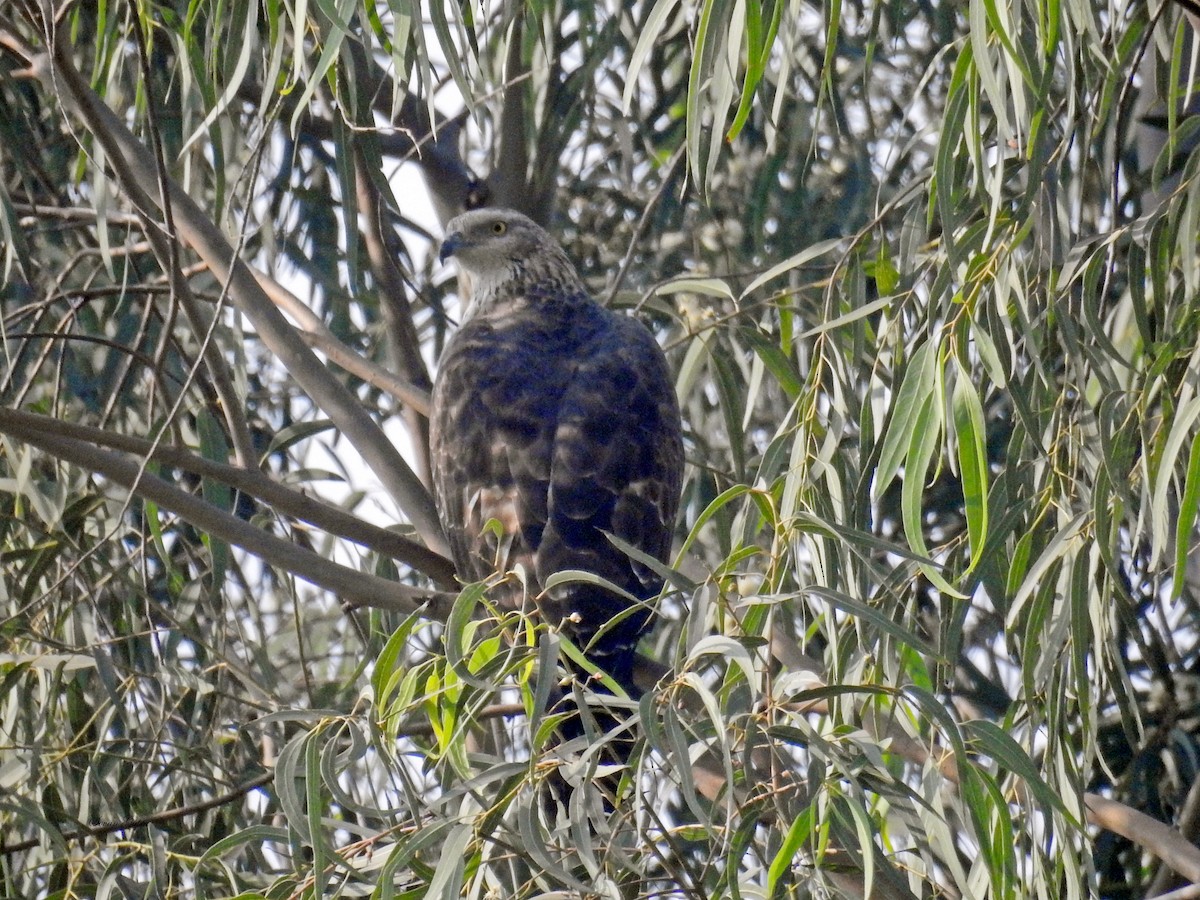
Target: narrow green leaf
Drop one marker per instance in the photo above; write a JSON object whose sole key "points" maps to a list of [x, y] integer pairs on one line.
{"points": [[758, 53], [314, 805], [340, 25], [877, 618], [797, 834], [776, 360], [971, 434], [459, 625], [214, 446], [697, 78], [289, 776], [293, 434], [718, 503], [447, 878], [726, 378], [862, 312], [925, 439], [1058, 548], [1185, 522], [1182, 429], [990, 739], [805, 256], [650, 34], [451, 52], [568, 576], [247, 46], [712, 287], [915, 392], [254, 834]]}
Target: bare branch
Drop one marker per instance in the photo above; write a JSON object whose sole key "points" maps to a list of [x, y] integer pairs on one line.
{"points": [[643, 224], [1162, 840]]}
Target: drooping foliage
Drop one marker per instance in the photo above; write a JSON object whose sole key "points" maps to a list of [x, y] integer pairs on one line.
{"points": [[927, 277]]}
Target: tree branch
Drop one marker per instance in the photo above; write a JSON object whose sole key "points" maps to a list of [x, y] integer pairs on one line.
{"points": [[158, 818], [1161, 840], [282, 499], [133, 165], [350, 586], [643, 224], [383, 251], [313, 331]]}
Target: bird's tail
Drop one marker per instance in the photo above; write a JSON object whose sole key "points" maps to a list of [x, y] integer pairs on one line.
{"points": [[601, 735]]}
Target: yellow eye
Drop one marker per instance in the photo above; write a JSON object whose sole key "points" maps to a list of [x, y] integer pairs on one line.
{"points": [[499, 227]]}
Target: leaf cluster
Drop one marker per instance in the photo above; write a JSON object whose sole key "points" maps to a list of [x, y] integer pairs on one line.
{"points": [[927, 277]]}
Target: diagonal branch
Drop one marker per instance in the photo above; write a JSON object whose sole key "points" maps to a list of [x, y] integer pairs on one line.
{"points": [[316, 334], [162, 817], [393, 300], [1160, 839], [353, 587], [133, 166], [313, 331], [282, 499]]}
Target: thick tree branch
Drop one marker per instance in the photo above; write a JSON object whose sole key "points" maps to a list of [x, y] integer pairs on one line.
{"points": [[313, 331], [1161, 840], [315, 334], [393, 303], [383, 252], [350, 586], [282, 499], [1188, 820]]}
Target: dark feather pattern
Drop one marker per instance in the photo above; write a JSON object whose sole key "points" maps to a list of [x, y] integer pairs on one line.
{"points": [[557, 418]]}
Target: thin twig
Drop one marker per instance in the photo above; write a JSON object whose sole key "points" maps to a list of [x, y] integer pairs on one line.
{"points": [[158, 818], [643, 225]]}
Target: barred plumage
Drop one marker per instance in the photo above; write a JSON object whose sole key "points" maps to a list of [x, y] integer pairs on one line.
{"points": [[557, 418]]}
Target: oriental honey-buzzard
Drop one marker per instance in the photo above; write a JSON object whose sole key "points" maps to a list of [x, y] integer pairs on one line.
{"points": [[557, 418]]}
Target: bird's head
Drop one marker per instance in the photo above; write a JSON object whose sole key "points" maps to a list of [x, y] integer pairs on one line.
{"points": [[509, 260], [491, 243]]}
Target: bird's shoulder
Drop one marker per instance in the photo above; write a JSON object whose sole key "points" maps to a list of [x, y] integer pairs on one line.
{"points": [[534, 322]]}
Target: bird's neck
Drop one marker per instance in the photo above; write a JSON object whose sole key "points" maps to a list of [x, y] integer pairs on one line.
{"points": [[518, 290]]}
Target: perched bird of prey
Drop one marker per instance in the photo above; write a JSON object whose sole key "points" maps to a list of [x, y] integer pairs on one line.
{"points": [[556, 418]]}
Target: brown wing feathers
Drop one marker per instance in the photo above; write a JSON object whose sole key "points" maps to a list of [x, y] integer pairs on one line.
{"points": [[557, 418]]}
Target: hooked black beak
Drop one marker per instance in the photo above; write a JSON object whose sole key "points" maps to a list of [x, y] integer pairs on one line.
{"points": [[450, 245]]}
